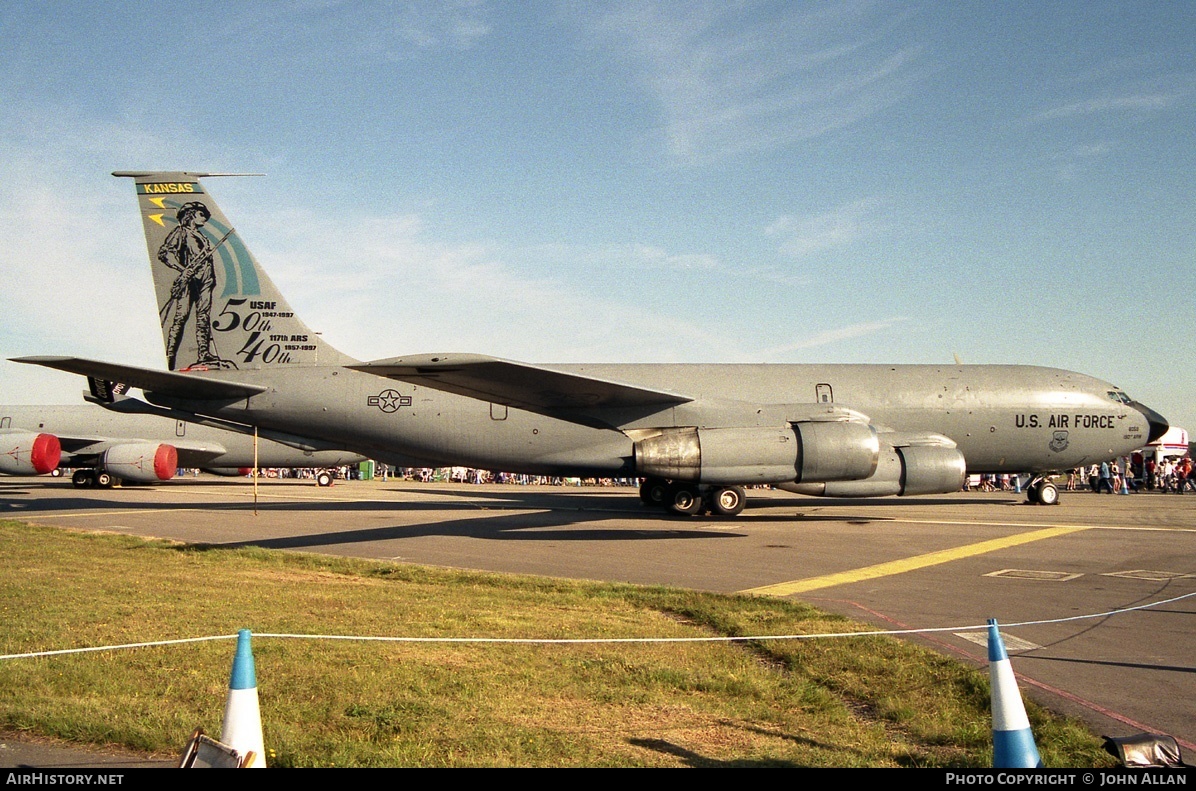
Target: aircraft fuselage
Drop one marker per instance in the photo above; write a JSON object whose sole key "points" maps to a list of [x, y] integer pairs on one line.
{"points": [[1003, 418]]}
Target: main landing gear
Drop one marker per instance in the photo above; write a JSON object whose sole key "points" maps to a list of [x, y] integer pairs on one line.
{"points": [[688, 499], [85, 479], [1041, 491]]}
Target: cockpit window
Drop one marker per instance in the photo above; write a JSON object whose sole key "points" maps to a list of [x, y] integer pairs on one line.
{"points": [[1120, 397]]}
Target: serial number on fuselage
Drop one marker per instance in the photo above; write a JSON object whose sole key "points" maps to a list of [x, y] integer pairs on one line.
{"points": [[1067, 421]]}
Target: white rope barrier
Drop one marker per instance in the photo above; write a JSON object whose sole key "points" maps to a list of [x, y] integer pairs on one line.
{"points": [[600, 640]]}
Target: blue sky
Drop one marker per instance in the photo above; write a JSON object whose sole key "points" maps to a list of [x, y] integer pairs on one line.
{"points": [[558, 182]]}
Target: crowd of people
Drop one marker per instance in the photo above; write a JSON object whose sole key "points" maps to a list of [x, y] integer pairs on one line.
{"points": [[473, 475], [1126, 474], [446, 474], [1135, 473]]}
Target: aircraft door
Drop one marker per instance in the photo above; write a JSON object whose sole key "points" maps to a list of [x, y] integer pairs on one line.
{"points": [[823, 394], [5, 422], [180, 428]]}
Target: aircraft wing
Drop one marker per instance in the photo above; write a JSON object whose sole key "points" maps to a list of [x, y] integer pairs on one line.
{"points": [[521, 385], [180, 385]]}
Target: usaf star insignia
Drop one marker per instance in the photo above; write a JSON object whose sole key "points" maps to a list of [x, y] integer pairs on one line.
{"points": [[389, 401]]}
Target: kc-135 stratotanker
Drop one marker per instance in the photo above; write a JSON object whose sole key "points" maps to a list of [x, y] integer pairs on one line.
{"points": [[696, 434]]}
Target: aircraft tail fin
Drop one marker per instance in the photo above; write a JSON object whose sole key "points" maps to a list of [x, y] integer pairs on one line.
{"points": [[217, 307]]}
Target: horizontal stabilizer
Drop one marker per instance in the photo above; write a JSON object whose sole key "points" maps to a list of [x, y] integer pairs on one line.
{"points": [[179, 385], [134, 406], [141, 174], [516, 384]]}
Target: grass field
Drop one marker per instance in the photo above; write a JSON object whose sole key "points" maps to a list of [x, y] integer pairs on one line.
{"points": [[857, 701]]}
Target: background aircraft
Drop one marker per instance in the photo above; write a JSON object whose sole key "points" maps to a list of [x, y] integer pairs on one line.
{"points": [[697, 434], [106, 446], [1173, 443]]}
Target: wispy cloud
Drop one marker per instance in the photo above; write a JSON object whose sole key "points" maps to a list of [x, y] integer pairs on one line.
{"points": [[1090, 150], [1112, 104], [828, 337], [628, 258], [842, 226], [649, 255], [739, 77], [393, 28], [786, 279], [1135, 87], [1072, 162]]}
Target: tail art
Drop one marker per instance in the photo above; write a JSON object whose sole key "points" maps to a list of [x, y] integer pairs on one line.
{"points": [[217, 307]]}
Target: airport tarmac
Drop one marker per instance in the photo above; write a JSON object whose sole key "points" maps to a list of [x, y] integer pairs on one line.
{"points": [[915, 563]]}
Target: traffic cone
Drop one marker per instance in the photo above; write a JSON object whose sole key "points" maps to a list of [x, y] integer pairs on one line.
{"points": [[1013, 743], [242, 716]]}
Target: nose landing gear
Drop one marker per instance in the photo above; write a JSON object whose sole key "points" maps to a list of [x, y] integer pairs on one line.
{"points": [[1041, 491]]}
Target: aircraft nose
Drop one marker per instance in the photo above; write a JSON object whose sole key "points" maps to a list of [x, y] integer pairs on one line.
{"points": [[1158, 423]]}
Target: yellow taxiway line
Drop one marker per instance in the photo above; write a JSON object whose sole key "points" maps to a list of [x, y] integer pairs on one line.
{"points": [[910, 564]]}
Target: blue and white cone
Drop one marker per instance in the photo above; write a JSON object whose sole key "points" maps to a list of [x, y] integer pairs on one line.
{"points": [[242, 716], [1013, 743]]}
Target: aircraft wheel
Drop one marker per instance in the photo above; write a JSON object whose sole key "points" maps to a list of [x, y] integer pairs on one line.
{"points": [[105, 480], [686, 500], [323, 478], [82, 479], [1032, 493], [1048, 493], [728, 500], [654, 492]]}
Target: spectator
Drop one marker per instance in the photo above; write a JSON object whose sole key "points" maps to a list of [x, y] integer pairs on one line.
{"points": [[1105, 480]]}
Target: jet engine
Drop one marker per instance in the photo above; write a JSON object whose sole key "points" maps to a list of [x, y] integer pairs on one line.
{"points": [[802, 452], [145, 462], [28, 453], [914, 469]]}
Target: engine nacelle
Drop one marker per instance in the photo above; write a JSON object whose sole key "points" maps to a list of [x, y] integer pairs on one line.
{"points": [[143, 462], [916, 469], [802, 452], [29, 453]]}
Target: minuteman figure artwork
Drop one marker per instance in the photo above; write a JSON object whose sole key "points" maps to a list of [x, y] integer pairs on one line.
{"points": [[189, 252]]}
